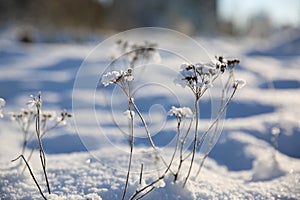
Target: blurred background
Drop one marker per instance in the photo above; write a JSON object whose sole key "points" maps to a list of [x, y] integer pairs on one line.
{"points": [[36, 20]]}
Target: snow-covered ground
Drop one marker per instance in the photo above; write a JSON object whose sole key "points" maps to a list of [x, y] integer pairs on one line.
{"points": [[88, 158]]}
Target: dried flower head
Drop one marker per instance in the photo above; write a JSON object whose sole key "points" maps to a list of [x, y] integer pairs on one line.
{"points": [[198, 76], [63, 116], [183, 112], [48, 115], [223, 63], [24, 116], [35, 101], [117, 76], [135, 52], [239, 83]]}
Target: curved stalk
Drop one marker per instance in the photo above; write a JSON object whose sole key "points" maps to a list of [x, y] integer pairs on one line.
{"points": [[42, 153], [165, 172], [131, 141], [224, 90], [181, 159], [32, 175]]}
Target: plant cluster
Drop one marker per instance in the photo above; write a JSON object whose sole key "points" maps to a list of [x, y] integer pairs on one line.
{"points": [[34, 115], [198, 78]]}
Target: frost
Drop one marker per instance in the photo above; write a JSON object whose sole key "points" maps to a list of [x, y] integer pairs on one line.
{"points": [[181, 112], [34, 101], [110, 77], [160, 184], [117, 76], [198, 76], [240, 83], [129, 114]]}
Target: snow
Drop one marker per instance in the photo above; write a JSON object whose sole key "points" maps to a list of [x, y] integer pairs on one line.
{"points": [[2, 104], [88, 158]]}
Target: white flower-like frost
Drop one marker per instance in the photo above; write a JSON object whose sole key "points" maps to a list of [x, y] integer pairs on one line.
{"points": [[116, 76], [181, 112], [239, 83], [110, 77]]}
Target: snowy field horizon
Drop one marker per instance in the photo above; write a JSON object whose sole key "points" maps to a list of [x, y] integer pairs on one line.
{"points": [[88, 157]]}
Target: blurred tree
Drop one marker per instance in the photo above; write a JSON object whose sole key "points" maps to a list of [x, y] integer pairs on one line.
{"points": [[186, 16]]}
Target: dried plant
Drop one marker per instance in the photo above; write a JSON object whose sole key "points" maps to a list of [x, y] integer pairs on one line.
{"points": [[196, 77], [35, 115], [123, 79]]}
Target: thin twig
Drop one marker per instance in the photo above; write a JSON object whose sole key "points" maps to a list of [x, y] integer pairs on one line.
{"points": [[226, 88], [181, 159], [218, 116], [38, 132], [144, 124], [147, 186], [131, 140], [163, 175], [148, 132], [145, 193], [195, 142], [141, 173], [32, 175], [41, 136]]}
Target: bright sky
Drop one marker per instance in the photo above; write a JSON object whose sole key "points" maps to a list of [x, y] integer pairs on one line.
{"points": [[281, 12]]}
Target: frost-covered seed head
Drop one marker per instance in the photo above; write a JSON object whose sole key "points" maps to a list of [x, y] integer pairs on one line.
{"points": [[117, 76], [64, 113], [25, 115], [110, 77], [128, 75], [239, 83], [183, 112], [197, 76], [62, 118], [35, 101], [49, 114], [232, 63]]}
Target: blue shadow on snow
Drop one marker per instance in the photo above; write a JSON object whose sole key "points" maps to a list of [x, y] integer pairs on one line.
{"points": [[65, 144], [281, 84]]}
